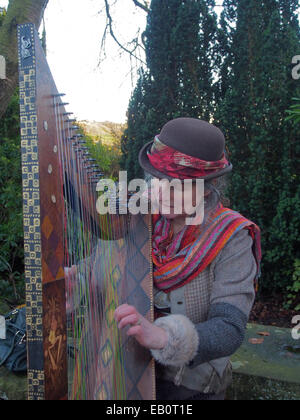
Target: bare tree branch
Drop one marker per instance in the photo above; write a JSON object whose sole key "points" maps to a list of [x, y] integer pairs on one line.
{"points": [[144, 6], [131, 48], [111, 31]]}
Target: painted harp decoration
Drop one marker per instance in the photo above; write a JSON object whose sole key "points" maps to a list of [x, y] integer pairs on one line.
{"points": [[79, 266]]}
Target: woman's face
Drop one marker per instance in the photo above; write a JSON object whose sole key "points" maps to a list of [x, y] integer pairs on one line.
{"points": [[177, 198]]}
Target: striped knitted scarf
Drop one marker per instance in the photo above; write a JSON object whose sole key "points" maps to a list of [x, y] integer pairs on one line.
{"points": [[179, 258]]}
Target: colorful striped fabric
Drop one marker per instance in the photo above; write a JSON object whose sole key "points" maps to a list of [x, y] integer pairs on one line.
{"points": [[179, 258], [179, 165]]}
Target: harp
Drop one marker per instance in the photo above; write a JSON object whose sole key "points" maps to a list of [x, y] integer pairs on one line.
{"points": [[74, 348]]}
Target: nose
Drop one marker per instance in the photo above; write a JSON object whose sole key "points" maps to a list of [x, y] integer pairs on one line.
{"points": [[163, 189]]}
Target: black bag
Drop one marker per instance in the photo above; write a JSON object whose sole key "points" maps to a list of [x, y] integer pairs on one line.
{"points": [[13, 352]]}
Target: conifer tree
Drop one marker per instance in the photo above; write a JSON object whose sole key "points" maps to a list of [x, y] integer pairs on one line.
{"points": [[134, 134], [264, 148]]}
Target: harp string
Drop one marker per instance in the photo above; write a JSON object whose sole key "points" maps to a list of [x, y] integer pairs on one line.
{"points": [[70, 250], [92, 295], [116, 381], [78, 290], [81, 300]]}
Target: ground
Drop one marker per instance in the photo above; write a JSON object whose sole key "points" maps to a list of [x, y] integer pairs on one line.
{"points": [[269, 310], [266, 311]]}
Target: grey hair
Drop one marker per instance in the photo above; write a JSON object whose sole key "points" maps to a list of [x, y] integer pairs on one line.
{"points": [[218, 191], [218, 195]]}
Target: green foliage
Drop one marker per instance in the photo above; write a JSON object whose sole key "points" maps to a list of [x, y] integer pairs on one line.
{"points": [[294, 111], [105, 148], [142, 123], [2, 15], [101, 154], [11, 221], [294, 289]]}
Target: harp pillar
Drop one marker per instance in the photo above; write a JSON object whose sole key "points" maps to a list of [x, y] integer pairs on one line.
{"points": [[43, 224]]}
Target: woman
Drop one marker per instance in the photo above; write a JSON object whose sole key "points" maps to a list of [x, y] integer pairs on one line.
{"points": [[204, 274]]}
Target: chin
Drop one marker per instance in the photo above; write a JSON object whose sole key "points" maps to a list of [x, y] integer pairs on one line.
{"points": [[170, 216]]}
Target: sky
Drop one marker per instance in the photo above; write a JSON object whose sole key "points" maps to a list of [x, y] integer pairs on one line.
{"points": [[74, 31]]}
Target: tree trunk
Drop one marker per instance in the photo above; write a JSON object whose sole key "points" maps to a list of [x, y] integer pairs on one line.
{"points": [[18, 12]]}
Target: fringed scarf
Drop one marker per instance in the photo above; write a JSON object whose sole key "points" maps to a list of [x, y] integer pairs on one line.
{"points": [[179, 258]]}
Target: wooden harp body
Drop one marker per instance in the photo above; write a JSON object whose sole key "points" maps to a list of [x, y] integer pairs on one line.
{"points": [[75, 350]]}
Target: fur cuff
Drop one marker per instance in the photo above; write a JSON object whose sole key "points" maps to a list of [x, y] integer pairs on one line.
{"points": [[182, 344]]}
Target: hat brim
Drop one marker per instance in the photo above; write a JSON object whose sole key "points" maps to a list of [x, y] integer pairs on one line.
{"points": [[147, 166]]}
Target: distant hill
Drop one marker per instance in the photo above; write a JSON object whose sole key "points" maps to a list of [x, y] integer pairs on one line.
{"points": [[107, 132]]}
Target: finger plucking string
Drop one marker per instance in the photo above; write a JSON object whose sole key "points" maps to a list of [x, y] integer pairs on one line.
{"points": [[132, 319]]}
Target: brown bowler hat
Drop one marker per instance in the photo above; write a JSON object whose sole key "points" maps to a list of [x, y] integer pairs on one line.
{"points": [[192, 137]]}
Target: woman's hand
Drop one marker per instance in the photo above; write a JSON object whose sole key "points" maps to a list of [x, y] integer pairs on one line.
{"points": [[146, 333]]}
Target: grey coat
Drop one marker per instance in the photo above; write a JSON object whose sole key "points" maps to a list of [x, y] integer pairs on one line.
{"points": [[206, 320]]}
